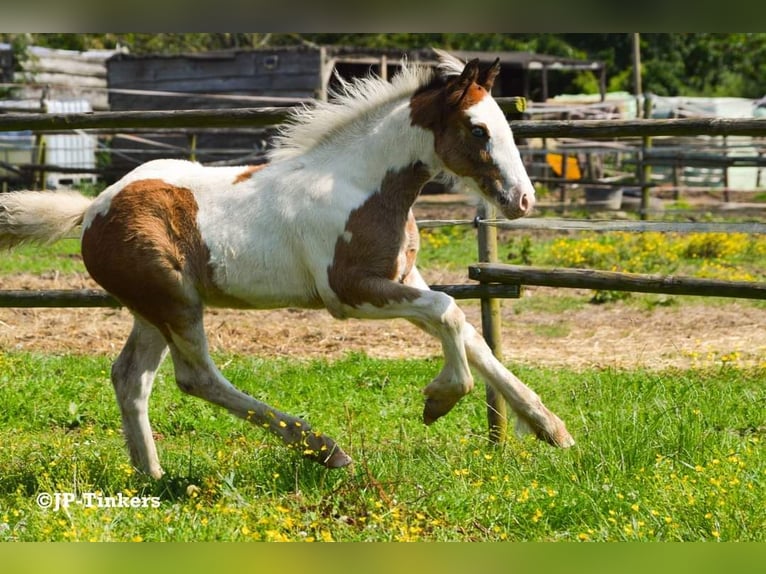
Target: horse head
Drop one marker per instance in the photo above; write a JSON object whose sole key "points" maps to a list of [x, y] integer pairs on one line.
{"points": [[472, 138]]}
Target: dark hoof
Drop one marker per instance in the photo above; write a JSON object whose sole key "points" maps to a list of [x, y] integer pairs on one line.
{"points": [[436, 408], [325, 451], [337, 459]]}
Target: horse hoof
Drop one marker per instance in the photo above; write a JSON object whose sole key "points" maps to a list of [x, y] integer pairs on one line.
{"points": [[553, 431], [434, 409], [337, 459], [332, 457]]}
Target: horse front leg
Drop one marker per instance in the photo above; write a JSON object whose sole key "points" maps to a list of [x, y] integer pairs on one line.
{"points": [[531, 413], [438, 314]]}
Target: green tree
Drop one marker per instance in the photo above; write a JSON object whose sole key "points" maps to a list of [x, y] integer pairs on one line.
{"points": [[695, 64]]}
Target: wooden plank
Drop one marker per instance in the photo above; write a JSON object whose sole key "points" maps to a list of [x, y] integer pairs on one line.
{"points": [[57, 298], [62, 79], [208, 118], [559, 224], [596, 129], [250, 117], [146, 72], [67, 65], [480, 291], [131, 102], [255, 84], [614, 281], [96, 298]]}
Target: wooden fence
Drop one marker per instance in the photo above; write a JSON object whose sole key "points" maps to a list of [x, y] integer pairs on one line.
{"points": [[495, 281]]}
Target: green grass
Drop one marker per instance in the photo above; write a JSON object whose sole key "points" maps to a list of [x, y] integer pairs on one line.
{"points": [[62, 257], [674, 455]]}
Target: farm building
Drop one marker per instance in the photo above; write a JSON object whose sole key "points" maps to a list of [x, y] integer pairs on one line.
{"points": [[57, 80], [278, 76], [51, 81]]}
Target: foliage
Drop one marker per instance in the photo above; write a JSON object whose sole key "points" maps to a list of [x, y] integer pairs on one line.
{"points": [[690, 64], [730, 256]]}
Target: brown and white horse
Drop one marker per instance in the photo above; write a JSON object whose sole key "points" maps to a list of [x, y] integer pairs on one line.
{"points": [[327, 224]]}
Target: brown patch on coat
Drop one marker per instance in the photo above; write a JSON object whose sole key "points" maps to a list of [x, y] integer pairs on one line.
{"points": [[147, 251], [247, 173], [441, 108], [380, 244], [409, 252]]}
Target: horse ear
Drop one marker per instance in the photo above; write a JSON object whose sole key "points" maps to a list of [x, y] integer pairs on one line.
{"points": [[470, 72], [458, 87], [487, 77]]}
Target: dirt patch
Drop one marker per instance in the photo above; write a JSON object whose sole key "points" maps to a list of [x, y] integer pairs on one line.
{"points": [[617, 334]]}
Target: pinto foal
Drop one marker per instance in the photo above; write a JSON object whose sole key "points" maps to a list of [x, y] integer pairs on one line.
{"points": [[327, 224]]}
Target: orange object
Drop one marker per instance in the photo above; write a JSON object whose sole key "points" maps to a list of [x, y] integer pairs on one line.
{"points": [[556, 160]]}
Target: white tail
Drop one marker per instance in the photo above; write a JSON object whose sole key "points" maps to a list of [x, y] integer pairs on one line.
{"points": [[39, 216]]}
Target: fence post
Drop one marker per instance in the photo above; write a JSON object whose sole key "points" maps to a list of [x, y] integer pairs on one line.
{"points": [[645, 169], [490, 324]]}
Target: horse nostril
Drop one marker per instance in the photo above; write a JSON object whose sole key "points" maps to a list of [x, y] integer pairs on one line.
{"points": [[526, 202]]}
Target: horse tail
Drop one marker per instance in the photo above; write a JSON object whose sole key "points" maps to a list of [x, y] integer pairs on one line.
{"points": [[39, 216]]}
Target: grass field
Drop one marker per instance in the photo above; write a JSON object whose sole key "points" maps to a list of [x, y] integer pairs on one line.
{"points": [[661, 455]]}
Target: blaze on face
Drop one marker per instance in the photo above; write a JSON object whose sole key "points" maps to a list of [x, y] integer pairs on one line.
{"points": [[474, 141]]}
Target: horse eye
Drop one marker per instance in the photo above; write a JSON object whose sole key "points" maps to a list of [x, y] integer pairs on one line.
{"points": [[479, 132]]}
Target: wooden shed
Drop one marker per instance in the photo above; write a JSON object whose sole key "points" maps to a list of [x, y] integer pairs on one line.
{"points": [[6, 64], [278, 76]]}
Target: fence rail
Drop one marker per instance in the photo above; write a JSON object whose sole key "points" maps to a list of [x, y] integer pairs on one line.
{"points": [[73, 298], [268, 116], [517, 275]]}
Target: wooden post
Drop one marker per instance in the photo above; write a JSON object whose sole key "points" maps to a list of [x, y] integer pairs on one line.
{"points": [[491, 326], [645, 176], [725, 172], [40, 146], [192, 147], [563, 188]]}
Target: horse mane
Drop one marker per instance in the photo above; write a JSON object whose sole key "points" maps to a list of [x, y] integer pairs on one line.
{"points": [[310, 125]]}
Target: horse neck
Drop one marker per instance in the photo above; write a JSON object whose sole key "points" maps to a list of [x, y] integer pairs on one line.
{"points": [[381, 143]]}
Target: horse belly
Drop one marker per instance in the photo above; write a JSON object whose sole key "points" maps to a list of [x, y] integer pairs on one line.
{"points": [[263, 279]]}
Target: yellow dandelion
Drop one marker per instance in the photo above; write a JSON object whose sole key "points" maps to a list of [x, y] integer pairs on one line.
{"points": [[583, 537]]}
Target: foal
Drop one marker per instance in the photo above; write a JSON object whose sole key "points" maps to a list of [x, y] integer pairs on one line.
{"points": [[327, 224]]}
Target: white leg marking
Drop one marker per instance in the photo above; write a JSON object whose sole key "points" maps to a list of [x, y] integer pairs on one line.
{"points": [[523, 400], [439, 315], [132, 377], [531, 412]]}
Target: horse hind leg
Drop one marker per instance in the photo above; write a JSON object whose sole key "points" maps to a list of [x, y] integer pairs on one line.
{"points": [[198, 376], [132, 377]]}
